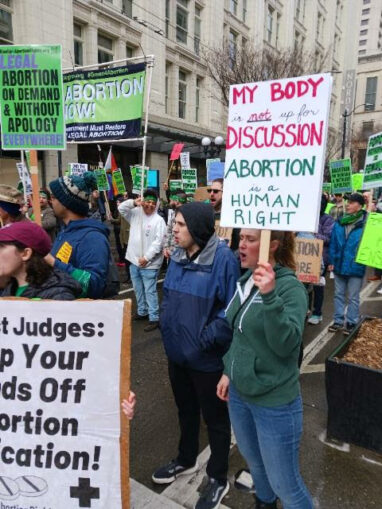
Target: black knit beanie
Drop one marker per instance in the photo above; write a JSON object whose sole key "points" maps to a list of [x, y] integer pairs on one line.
{"points": [[200, 221]]}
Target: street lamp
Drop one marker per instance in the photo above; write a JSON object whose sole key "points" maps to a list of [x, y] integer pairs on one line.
{"points": [[212, 148], [345, 114]]}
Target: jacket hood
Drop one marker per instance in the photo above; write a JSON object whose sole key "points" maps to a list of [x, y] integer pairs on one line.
{"points": [[206, 256], [90, 224], [62, 280]]}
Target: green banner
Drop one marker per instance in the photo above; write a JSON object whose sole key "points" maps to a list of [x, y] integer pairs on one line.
{"points": [[370, 248], [173, 185], [136, 175], [105, 104], [357, 181], [31, 98], [102, 182], [118, 181], [341, 176], [189, 180], [327, 187], [373, 163]]}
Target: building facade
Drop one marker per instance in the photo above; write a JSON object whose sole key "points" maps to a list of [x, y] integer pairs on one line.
{"points": [[185, 103]]}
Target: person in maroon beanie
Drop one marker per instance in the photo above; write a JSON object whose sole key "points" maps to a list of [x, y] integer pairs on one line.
{"points": [[23, 247]]}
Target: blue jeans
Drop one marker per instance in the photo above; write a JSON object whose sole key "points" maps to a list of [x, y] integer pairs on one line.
{"points": [[269, 440], [145, 288], [352, 287]]}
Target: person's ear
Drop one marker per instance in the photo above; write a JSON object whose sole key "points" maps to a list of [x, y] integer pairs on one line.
{"points": [[273, 246], [26, 254]]}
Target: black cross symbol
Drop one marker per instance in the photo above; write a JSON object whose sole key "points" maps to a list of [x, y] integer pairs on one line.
{"points": [[84, 492]]}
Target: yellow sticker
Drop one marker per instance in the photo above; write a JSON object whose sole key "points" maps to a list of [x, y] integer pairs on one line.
{"points": [[65, 252]]}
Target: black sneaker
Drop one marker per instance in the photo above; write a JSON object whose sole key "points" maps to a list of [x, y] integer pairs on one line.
{"points": [[335, 327], [168, 473], [137, 317], [212, 494], [349, 329], [151, 326]]}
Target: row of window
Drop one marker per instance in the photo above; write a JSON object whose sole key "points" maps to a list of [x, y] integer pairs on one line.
{"points": [[184, 104]]}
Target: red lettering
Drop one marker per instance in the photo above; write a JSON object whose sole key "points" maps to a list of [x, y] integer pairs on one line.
{"points": [[315, 84], [239, 93], [245, 93], [232, 137], [276, 92], [302, 88]]}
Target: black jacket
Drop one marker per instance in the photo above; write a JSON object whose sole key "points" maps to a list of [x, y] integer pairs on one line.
{"points": [[59, 286]]}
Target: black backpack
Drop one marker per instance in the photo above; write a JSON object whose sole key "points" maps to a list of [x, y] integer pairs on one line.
{"points": [[113, 283]]}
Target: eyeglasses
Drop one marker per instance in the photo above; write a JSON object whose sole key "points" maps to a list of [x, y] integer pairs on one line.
{"points": [[215, 191]]}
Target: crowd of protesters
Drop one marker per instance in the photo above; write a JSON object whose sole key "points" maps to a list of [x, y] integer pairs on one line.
{"points": [[231, 326]]}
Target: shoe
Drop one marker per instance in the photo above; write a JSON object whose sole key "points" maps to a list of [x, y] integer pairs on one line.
{"points": [[335, 327], [137, 317], [168, 473], [315, 319], [212, 494], [151, 326], [265, 505], [349, 329]]}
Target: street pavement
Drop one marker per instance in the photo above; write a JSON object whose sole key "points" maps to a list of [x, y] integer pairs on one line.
{"points": [[337, 475]]}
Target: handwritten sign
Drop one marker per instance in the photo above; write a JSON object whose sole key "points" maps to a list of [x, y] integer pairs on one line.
{"points": [[370, 248], [341, 176], [185, 160], [136, 175], [61, 422], [224, 233], [102, 181], [308, 259], [176, 150], [78, 168], [118, 181], [373, 163], [201, 194], [275, 149], [24, 177], [189, 180], [175, 184], [327, 187]]}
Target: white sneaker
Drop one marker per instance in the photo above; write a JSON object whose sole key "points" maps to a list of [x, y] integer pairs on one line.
{"points": [[315, 320], [379, 291]]}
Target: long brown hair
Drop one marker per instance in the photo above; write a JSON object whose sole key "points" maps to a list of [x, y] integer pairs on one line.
{"points": [[37, 270], [285, 253]]}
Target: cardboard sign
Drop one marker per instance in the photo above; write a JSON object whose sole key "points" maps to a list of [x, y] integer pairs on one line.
{"points": [[201, 194], [210, 162], [136, 175], [373, 163], [341, 176], [104, 104], [64, 439], [176, 150], [78, 169], [24, 177], [32, 114], [175, 184], [118, 181], [102, 181], [224, 233], [189, 180], [185, 160], [275, 153], [308, 259], [327, 187], [357, 181], [370, 248]]}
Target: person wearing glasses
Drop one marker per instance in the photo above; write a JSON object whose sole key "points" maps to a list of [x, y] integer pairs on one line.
{"points": [[230, 235]]}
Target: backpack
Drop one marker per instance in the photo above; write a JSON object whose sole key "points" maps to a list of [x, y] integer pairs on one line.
{"points": [[113, 284]]}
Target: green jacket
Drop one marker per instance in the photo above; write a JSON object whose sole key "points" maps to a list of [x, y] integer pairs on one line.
{"points": [[262, 362]]}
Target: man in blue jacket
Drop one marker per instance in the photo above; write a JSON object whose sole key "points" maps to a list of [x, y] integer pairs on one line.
{"points": [[82, 247], [200, 282], [348, 274]]}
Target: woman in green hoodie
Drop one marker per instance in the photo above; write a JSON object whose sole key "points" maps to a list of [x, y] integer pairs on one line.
{"points": [[261, 380]]}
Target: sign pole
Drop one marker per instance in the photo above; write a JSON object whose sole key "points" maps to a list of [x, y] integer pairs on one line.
{"points": [[35, 187], [150, 66], [24, 179], [265, 240]]}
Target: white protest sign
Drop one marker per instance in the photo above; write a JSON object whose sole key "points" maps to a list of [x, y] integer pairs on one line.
{"points": [[372, 176], [64, 367], [275, 152], [78, 168], [24, 177], [185, 160]]}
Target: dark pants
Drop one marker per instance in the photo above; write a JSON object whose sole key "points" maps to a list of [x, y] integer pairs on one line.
{"points": [[318, 296], [195, 391]]}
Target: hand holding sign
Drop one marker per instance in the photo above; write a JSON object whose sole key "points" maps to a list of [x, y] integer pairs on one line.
{"points": [[264, 277]]}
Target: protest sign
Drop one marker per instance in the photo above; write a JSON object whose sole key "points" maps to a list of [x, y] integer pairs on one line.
{"points": [[105, 104], [189, 180], [77, 169], [185, 160], [102, 181], [31, 98], [209, 162], [201, 194], [223, 232], [64, 439], [275, 150], [175, 184], [327, 187], [308, 259], [373, 163], [24, 177], [215, 171], [357, 181], [176, 150], [370, 248], [341, 176], [136, 175], [118, 181]]}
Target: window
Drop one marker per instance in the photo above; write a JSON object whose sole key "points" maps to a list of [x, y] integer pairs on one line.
{"points": [[269, 24], [244, 11], [365, 2], [182, 94], [129, 51], [127, 8], [364, 22], [233, 6], [363, 42], [367, 128], [371, 93], [167, 18], [362, 52], [181, 22], [232, 47], [363, 32], [365, 11], [197, 29], [278, 24], [105, 49], [6, 32], [197, 98], [166, 87], [78, 44]]}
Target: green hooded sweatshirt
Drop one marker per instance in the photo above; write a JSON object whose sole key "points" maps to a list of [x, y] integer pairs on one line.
{"points": [[262, 362]]}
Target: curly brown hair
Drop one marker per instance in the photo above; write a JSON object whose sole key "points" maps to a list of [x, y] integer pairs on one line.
{"points": [[38, 271], [285, 253]]}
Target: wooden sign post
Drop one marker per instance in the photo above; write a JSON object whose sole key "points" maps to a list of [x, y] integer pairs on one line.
{"points": [[35, 187], [265, 241]]}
